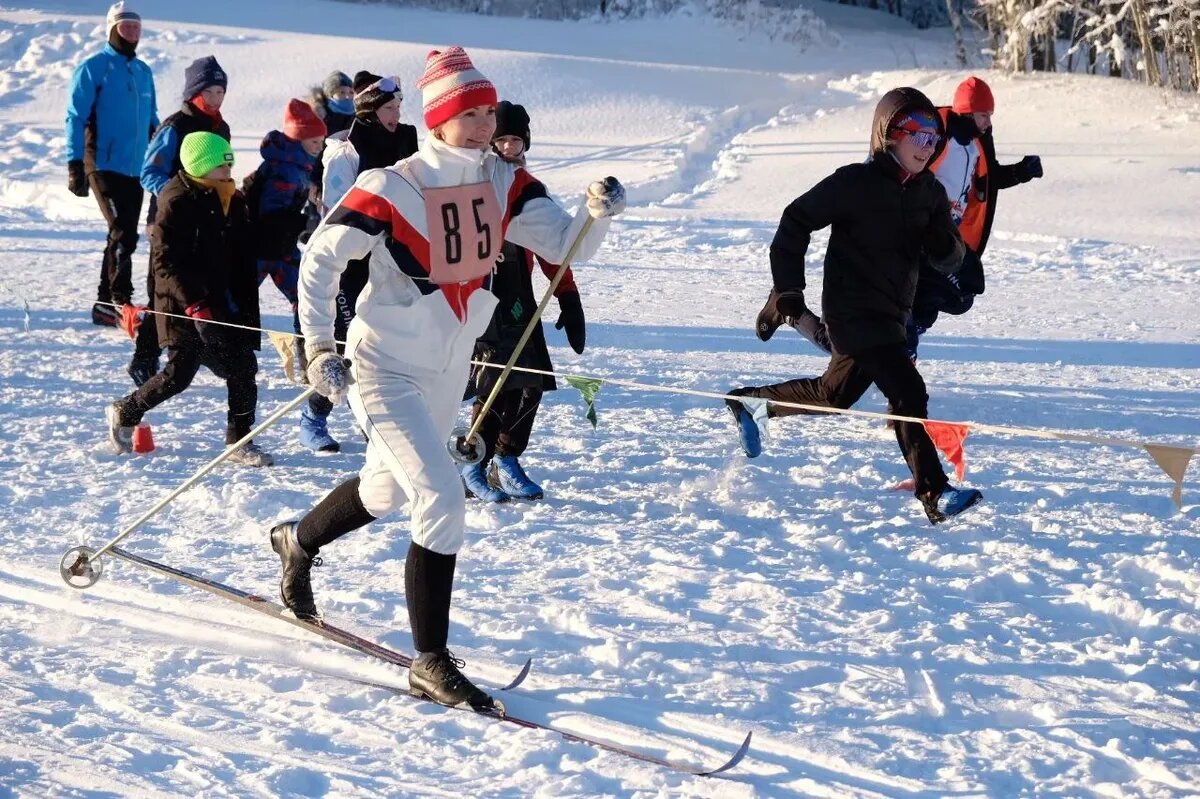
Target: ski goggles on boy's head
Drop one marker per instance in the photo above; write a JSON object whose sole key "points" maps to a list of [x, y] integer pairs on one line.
{"points": [[921, 138], [386, 85]]}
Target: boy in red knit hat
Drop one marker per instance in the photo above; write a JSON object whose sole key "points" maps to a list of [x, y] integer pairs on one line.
{"points": [[965, 164], [276, 193], [433, 225]]}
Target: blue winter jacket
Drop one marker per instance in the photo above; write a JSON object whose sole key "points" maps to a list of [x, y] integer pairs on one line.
{"points": [[281, 185], [112, 98]]}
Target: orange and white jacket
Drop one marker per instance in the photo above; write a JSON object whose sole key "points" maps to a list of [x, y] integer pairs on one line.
{"points": [[400, 312]]}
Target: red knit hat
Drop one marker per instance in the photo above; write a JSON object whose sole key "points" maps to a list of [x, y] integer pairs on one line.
{"points": [[973, 96], [301, 122], [451, 85]]}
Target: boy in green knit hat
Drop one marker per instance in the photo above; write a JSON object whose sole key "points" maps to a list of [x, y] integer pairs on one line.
{"points": [[204, 272]]}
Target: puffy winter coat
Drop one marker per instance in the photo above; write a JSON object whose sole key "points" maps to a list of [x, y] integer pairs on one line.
{"points": [[201, 254], [359, 148], [421, 325], [111, 112], [278, 190], [162, 157], [883, 221]]}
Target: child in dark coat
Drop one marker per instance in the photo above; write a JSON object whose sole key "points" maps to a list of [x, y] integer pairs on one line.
{"points": [[276, 193], [203, 271], [509, 422], [886, 215]]}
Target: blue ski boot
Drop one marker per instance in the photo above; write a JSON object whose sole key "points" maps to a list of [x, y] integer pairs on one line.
{"points": [[507, 475], [476, 483], [748, 433], [314, 432], [951, 502]]}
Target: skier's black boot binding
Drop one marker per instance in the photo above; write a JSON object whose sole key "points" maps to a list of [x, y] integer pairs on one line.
{"points": [[436, 676], [295, 585]]}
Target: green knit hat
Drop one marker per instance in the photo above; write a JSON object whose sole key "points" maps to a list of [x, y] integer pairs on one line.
{"points": [[202, 152]]}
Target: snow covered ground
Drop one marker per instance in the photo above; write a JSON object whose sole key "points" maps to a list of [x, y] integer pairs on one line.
{"points": [[673, 594]]}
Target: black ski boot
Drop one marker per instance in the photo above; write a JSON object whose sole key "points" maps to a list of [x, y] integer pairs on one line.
{"points": [[436, 676], [295, 586]]}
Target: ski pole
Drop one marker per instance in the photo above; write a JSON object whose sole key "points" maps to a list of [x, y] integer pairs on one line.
{"points": [[82, 566], [462, 444]]}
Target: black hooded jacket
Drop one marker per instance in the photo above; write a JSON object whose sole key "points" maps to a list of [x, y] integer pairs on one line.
{"points": [[883, 221]]}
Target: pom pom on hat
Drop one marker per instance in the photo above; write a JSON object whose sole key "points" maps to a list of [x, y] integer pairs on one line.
{"points": [[450, 85], [117, 13], [202, 152], [973, 96], [301, 122]]}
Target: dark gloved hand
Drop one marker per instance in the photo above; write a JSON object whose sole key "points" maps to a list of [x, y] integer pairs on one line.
{"points": [[201, 315], [790, 303], [1030, 167], [77, 179], [571, 317]]}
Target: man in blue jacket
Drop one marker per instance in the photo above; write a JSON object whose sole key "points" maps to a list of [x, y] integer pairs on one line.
{"points": [[110, 116]]}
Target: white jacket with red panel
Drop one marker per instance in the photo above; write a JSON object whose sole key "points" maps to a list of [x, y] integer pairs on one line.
{"points": [[401, 313]]}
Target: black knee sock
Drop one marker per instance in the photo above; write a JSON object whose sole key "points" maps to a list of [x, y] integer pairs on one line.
{"points": [[339, 513], [428, 580]]}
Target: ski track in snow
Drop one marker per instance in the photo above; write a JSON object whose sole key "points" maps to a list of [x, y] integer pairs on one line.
{"points": [[673, 594]]}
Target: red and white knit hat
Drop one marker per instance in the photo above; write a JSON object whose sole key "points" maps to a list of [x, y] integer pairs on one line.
{"points": [[451, 84]]}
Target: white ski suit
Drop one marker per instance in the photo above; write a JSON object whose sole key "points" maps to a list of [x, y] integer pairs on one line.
{"points": [[411, 342]]}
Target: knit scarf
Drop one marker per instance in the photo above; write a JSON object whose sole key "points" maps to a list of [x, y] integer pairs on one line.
{"points": [[225, 190]]}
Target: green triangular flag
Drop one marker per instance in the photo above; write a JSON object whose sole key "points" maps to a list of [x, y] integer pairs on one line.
{"points": [[589, 387]]}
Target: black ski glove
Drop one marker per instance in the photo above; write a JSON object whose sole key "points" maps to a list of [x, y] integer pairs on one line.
{"points": [[77, 179], [1029, 167], [570, 316], [201, 315]]}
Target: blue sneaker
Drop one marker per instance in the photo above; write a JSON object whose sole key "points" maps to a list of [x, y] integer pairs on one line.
{"points": [[476, 483], [314, 432], [748, 433], [951, 502], [507, 475]]}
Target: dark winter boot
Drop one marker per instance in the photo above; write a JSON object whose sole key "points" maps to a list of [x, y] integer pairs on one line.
{"points": [[949, 503], [142, 369], [476, 483], [104, 315], [748, 434], [507, 475], [437, 676], [314, 433], [295, 585]]}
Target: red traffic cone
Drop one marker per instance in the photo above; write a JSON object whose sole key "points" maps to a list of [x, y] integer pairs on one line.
{"points": [[143, 439]]}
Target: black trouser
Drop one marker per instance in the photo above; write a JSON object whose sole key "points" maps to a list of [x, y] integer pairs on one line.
{"points": [[235, 364], [509, 421], [120, 200], [354, 280], [847, 378]]}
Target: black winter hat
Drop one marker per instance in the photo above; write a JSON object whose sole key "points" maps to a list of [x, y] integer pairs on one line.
{"points": [[512, 120], [368, 97], [202, 73]]}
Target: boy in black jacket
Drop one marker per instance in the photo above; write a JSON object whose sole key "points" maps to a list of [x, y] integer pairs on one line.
{"points": [[204, 271], [886, 215]]}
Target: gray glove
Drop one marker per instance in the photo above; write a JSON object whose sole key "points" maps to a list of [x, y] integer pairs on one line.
{"points": [[329, 374]]}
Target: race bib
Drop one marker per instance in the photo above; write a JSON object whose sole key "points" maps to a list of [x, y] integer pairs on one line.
{"points": [[465, 235]]}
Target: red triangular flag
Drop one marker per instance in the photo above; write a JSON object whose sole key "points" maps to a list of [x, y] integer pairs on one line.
{"points": [[949, 439]]}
